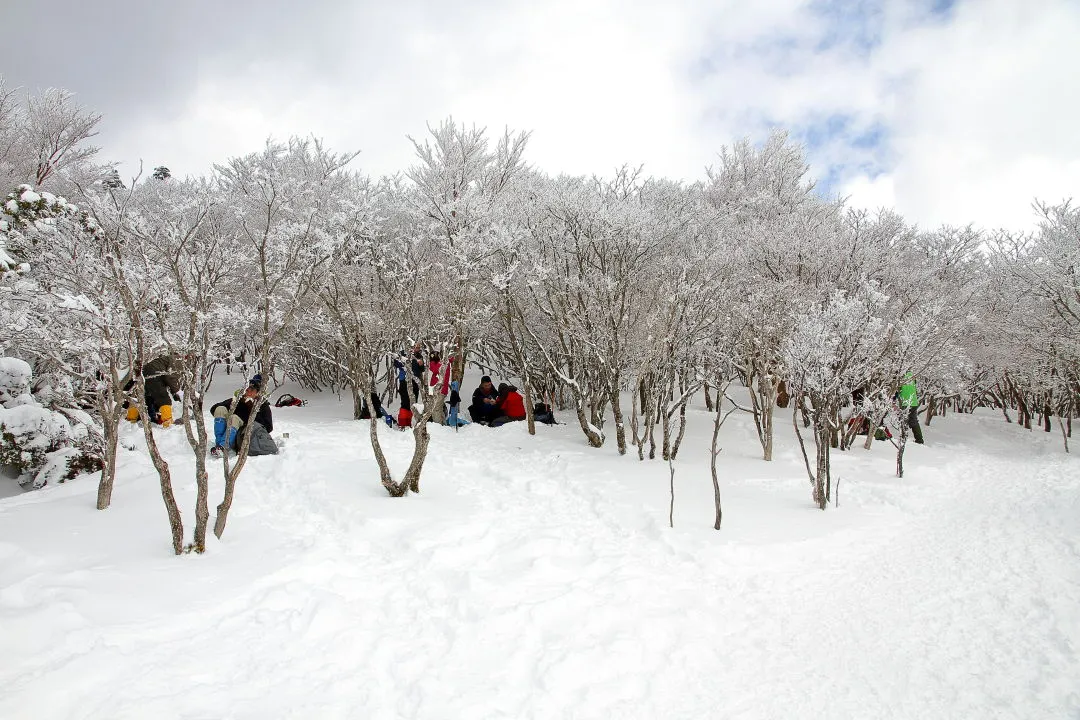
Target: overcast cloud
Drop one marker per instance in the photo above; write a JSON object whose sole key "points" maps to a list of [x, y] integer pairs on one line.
{"points": [[950, 111]]}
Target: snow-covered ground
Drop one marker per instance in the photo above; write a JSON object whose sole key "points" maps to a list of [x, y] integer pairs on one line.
{"points": [[535, 577]]}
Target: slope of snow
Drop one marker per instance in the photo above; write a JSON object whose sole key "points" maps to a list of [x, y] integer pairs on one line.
{"points": [[537, 577]]}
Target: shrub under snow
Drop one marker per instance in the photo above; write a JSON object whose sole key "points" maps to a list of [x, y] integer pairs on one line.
{"points": [[40, 444]]}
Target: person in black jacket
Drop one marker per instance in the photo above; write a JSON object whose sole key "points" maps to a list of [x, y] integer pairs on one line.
{"points": [[367, 404], [485, 402], [261, 443], [161, 386]]}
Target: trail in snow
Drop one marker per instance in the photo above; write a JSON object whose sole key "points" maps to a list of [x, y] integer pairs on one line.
{"points": [[534, 577]]}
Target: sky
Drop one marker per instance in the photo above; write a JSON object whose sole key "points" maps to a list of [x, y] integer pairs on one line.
{"points": [[950, 111]]}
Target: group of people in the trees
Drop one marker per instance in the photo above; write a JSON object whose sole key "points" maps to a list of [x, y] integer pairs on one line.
{"points": [[496, 407], [491, 406], [906, 399], [161, 385]]}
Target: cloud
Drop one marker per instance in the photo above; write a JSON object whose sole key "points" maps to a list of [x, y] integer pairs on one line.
{"points": [[951, 110]]}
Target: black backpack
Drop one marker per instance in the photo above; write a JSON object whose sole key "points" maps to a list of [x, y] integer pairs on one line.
{"points": [[543, 413]]}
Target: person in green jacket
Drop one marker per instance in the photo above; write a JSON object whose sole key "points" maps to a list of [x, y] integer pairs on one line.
{"points": [[909, 400]]}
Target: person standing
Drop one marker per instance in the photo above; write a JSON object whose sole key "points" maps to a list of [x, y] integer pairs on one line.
{"points": [[909, 401]]}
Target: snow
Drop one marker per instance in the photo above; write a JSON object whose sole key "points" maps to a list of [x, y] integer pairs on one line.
{"points": [[15, 378], [537, 577], [29, 196], [41, 425]]}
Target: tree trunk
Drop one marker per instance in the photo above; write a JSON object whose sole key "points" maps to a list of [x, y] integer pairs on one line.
{"points": [[822, 431], [231, 474], [176, 523], [650, 430], [421, 439], [708, 398], [357, 401], [639, 442], [530, 416], [665, 418], [594, 438], [620, 429], [901, 445], [782, 396], [671, 507], [763, 397], [438, 407], [458, 371], [395, 489], [714, 451], [111, 423], [682, 431], [798, 434], [202, 478], [767, 425]]}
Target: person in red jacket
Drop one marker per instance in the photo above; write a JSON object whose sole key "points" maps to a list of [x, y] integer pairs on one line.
{"points": [[511, 406]]}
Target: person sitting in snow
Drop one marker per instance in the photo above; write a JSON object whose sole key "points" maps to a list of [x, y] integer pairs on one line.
{"points": [[485, 402], [511, 406], [543, 413], [227, 426], [161, 386]]}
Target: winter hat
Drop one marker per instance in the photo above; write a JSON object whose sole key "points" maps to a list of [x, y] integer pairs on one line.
{"points": [[486, 378], [256, 381]]}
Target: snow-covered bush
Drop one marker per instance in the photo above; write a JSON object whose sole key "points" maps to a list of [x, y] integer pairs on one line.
{"points": [[39, 444], [15, 380]]}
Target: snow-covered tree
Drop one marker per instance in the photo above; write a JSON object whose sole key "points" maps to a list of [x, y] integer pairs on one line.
{"points": [[44, 138], [836, 347]]}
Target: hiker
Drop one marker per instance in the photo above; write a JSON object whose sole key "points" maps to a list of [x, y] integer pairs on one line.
{"points": [[454, 420], [859, 422], [908, 398], [543, 413], [417, 364], [161, 387], [437, 367], [405, 366], [485, 402], [226, 425], [511, 406], [365, 407]]}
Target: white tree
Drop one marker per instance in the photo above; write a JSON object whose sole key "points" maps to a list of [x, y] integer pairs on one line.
{"points": [[836, 347]]}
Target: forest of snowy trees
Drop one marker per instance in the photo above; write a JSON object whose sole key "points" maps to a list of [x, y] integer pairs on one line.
{"points": [[617, 298]]}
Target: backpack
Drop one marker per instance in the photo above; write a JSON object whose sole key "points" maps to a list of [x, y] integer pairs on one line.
{"points": [[287, 400], [543, 413]]}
